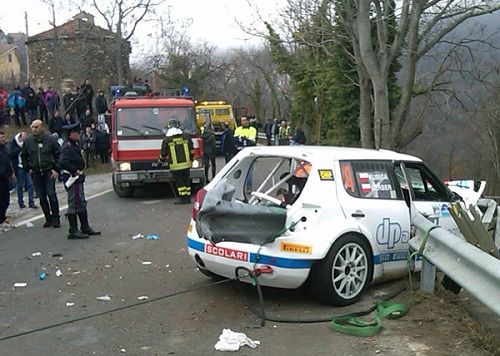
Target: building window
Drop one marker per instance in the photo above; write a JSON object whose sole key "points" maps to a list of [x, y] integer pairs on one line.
{"points": [[10, 57]]}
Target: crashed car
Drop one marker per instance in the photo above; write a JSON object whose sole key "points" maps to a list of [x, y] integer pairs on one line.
{"points": [[337, 216]]}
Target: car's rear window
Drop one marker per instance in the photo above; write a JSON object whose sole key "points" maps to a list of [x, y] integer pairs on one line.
{"points": [[369, 179]]}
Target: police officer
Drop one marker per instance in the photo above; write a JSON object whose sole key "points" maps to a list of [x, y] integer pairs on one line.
{"points": [[71, 163], [177, 149]]}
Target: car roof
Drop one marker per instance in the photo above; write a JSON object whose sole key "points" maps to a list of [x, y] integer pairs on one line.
{"points": [[322, 153]]}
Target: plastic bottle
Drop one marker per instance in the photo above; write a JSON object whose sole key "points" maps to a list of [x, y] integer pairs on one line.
{"points": [[42, 275]]}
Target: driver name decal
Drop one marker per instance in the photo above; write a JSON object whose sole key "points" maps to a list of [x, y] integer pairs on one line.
{"points": [[226, 252], [390, 233]]}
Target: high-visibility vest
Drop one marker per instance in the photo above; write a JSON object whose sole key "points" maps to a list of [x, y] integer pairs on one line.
{"points": [[284, 132], [249, 132], [179, 155]]}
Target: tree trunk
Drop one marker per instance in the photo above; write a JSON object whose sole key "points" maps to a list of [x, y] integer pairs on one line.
{"points": [[365, 110], [119, 59], [408, 80], [381, 122]]}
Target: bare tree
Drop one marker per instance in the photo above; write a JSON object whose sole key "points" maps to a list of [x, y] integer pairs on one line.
{"points": [[122, 18], [56, 53], [421, 24]]}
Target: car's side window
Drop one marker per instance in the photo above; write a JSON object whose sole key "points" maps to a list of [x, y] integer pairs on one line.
{"points": [[369, 179], [425, 186]]}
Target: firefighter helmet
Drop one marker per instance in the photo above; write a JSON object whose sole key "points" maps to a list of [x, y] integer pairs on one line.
{"points": [[173, 123]]}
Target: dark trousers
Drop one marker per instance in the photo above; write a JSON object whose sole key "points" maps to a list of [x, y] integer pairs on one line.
{"points": [[42, 111], [4, 197], [104, 156], [269, 139], [76, 198], [207, 161], [19, 117], [228, 156], [89, 158], [46, 190], [182, 182]]}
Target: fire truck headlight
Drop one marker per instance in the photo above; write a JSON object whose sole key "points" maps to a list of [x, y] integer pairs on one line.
{"points": [[125, 166], [196, 163]]}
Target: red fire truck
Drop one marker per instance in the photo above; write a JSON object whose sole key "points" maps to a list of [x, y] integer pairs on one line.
{"points": [[138, 128]]}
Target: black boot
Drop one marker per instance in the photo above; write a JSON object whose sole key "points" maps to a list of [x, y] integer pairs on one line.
{"points": [[84, 221], [73, 232], [56, 221]]}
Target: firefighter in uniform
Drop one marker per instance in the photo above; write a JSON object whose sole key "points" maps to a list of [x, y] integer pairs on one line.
{"points": [[72, 164], [177, 149]]}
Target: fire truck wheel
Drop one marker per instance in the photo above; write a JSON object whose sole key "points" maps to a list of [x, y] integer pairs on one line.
{"points": [[123, 192]]}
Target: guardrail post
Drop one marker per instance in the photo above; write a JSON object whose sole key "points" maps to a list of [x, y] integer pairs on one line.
{"points": [[428, 272], [427, 277]]}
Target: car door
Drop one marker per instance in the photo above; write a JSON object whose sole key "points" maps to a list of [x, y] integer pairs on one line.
{"points": [[373, 199], [429, 194]]}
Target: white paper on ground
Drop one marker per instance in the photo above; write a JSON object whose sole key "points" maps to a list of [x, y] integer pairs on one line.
{"points": [[232, 341]]}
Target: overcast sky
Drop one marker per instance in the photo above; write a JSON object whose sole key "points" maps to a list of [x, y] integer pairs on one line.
{"points": [[213, 20]]}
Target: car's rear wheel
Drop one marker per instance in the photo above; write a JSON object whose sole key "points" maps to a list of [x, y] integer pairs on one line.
{"points": [[123, 192], [344, 274]]}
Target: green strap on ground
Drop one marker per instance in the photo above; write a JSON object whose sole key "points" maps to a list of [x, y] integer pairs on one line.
{"points": [[354, 326]]}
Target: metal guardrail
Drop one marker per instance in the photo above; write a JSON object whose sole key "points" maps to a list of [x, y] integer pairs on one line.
{"points": [[473, 269]]}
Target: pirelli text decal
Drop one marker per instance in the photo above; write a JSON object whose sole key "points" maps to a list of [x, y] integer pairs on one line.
{"points": [[296, 248]]}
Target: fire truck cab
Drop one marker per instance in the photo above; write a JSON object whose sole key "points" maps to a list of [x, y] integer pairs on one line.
{"points": [[138, 128]]}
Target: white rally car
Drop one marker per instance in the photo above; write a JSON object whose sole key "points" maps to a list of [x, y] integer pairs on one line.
{"points": [[339, 216]]}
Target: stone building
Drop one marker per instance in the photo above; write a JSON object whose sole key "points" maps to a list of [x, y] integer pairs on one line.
{"points": [[12, 59], [10, 65], [85, 51]]}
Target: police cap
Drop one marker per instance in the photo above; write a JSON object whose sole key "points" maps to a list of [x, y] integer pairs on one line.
{"points": [[72, 127]]}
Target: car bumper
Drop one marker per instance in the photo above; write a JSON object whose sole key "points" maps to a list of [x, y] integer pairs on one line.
{"points": [[135, 178], [223, 259]]}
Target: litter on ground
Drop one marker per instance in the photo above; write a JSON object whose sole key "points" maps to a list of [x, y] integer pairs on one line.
{"points": [[232, 341], [104, 298]]}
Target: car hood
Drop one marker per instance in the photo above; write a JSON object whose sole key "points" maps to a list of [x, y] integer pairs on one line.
{"points": [[469, 190]]}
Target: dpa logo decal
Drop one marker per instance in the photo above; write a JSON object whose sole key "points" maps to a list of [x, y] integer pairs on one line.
{"points": [[390, 233]]}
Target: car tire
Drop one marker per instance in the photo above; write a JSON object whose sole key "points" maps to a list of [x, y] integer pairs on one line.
{"points": [[344, 274], [123, 192]]}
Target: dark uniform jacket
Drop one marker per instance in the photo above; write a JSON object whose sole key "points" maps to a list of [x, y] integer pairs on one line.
{"points": [[41, 153], [101, 105], [177, 149], [71, 159], [5, 165], [209, 145]]}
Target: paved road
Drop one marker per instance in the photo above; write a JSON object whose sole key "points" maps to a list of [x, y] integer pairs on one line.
{"points": [[116, 265]]}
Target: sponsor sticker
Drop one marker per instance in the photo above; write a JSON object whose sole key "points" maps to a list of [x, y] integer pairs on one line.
{"points": [[325, 174], [296, 248], [226, 252]]}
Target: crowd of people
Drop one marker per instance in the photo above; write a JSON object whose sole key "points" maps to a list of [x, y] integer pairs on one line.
{"points": [[280, 133], [54, 148]]}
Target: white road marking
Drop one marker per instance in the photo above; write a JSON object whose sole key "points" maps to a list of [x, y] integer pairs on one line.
{"points": [[64, 207]]}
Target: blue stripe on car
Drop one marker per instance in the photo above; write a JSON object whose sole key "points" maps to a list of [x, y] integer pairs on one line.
{"points": [[301, 263]]}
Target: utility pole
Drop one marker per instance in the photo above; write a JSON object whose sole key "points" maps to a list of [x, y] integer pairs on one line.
{"points": [[27, 50]]}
